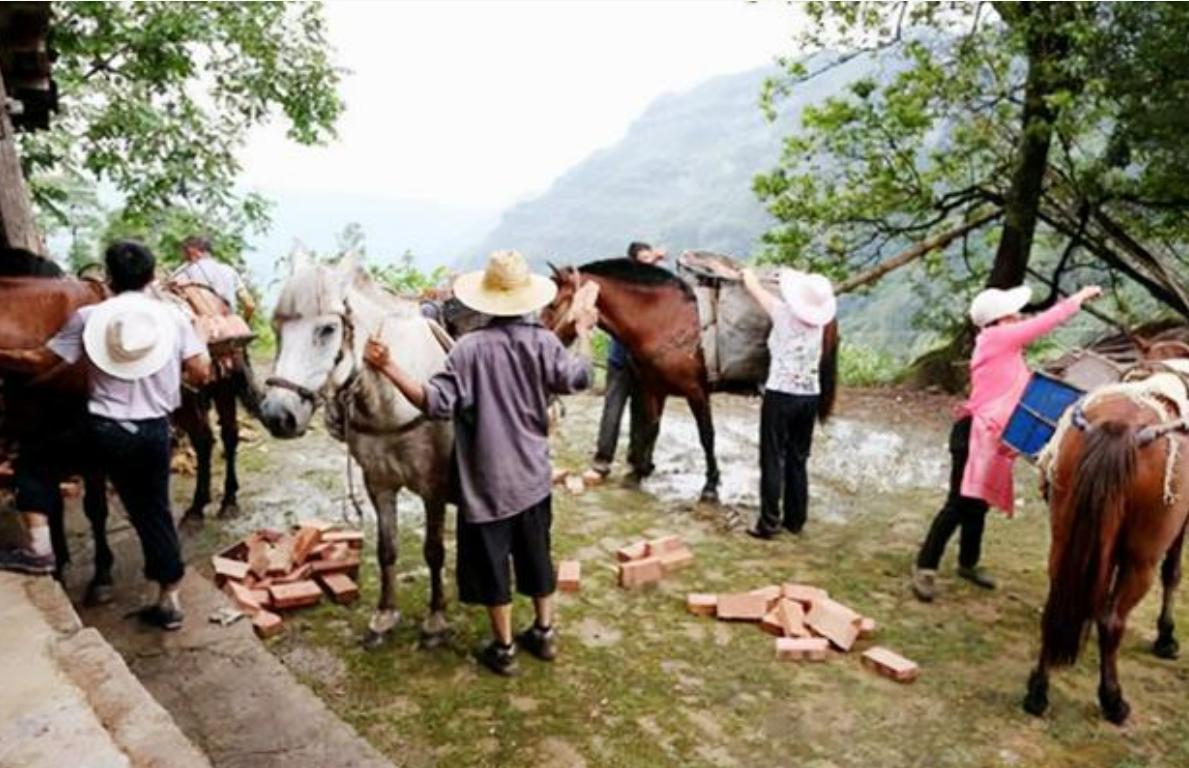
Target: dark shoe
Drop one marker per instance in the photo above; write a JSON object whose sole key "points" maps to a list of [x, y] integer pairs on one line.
{"points": [[161, 617], [760, 533], [923, 585], [498, 658], [795, 530], [541, 643], [24, 560], [978, 576]]}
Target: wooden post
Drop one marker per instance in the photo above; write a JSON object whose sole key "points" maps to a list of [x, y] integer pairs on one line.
{"points": [[17, 226]]}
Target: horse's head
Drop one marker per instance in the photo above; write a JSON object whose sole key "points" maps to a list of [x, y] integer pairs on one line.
{"points": [[556, 317], [314, 342]]}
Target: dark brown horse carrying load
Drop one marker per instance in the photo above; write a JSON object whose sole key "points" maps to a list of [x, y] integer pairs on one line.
{"points": [[220, 329], [734, 328]]}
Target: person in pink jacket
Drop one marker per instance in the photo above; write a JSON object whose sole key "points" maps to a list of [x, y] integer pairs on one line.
{"points": [[981, 472]]}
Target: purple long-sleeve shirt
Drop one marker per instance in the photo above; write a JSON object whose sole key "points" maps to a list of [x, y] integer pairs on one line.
{"points": [[496, 386]]}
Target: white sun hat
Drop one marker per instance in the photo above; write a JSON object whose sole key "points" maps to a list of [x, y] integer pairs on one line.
{"points": [[131, 336], [995, 304], [506, 288], [809, 296]]}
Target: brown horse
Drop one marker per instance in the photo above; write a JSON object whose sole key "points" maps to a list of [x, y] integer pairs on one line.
{"points": [[1119, 500], [33, 309], [654, 314]]}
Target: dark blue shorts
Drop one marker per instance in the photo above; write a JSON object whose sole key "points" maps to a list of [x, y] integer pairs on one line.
{"points": [[489, 552]]}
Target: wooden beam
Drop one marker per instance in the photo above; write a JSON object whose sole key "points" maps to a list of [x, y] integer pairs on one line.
{"points": [[916, 252], [17, 226]]}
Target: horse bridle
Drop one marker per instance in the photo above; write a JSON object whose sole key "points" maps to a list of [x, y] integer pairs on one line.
{"points": [[306, 394]]}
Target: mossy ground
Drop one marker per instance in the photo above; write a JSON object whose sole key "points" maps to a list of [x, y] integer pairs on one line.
{"points": [[641, 683]]}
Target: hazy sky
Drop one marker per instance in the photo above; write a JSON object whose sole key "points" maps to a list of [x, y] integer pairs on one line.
{"points": [[482, 103]]}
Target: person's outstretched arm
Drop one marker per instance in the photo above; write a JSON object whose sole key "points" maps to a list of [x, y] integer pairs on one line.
{"points": [[376, 355], [1024, 332], [766, 300]]}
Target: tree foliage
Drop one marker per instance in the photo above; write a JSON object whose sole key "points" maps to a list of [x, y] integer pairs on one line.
{"points": [[1068, 116], [157, 99]]}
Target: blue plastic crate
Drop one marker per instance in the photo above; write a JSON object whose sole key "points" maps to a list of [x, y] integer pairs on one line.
{"points": [[1035, 419]]}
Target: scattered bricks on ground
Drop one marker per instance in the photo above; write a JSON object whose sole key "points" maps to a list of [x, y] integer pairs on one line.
{"points": [[742, 606], [802, 648], [341, 588], [835, 622], [891, 664], [702, 604], [637, 573], [569, 576]]}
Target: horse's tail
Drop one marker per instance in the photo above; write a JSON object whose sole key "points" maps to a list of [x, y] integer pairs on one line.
{"points": [[828, 372], [247, 391], [1083, 560]]}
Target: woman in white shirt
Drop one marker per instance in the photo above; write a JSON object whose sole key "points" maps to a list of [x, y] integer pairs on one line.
{"points": [[799, 316]]}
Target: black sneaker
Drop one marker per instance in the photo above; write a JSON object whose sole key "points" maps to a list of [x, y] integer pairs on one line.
{"points": [[978, 576], [759, 533], [169, 619], [541, 643], [24, 560], [500, 659]]}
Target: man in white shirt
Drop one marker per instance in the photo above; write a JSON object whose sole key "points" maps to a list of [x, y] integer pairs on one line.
{"points": [[138, 351], [201, 267]]}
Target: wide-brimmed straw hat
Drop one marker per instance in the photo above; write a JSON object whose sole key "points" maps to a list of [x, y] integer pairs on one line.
{"points": [[809, 296], [506, 288], [995, 304], [131, 336]]}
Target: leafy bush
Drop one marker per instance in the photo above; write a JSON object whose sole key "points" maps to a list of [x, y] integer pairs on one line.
{"points": [[860, 366]]}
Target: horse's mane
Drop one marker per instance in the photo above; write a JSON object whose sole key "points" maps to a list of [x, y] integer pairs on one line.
{"points": [[18, 262], [632, 271]]}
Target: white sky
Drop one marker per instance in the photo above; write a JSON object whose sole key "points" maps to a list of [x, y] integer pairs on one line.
{"points": [[482, 103]]}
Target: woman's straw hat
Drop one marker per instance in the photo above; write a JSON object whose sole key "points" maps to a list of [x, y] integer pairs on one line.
{"points": [[995, 304], [131, 336], [506, 288], [810, 297]]}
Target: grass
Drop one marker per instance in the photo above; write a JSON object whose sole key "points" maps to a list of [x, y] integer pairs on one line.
{"points": [[642, 683]]}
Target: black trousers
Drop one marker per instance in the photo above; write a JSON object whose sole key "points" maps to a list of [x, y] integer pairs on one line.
{"points": [[135, 457], [622, 386], [485, 550], [786, 436], [959, 511]]}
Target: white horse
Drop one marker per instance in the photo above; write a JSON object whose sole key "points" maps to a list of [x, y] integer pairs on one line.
{"points": [[323, 319]]}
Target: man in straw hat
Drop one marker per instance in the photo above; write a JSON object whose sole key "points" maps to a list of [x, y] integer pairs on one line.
{"points": [[805, 306], [981, 471], [495, 386], [138, 351]]}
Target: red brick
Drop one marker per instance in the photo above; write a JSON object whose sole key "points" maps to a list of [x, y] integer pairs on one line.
{"points": [[637, 551], [320, 550], [569, 576], [676, 559], [242, 597], [258, 558], [280, 561], [866, 628], [771, 624], [891, 664], [304, 542], [316, 523], [637, 573], [297, 574], [770, 593], [658, 547], [833, 621], [802, 648], [267, 624], [349, 566], [791, 616], [270, 535], [354, 539], [340, 587], [702, 604], [261, 596], [804, 594], [295, 595], [744, 606], [236, 570]]}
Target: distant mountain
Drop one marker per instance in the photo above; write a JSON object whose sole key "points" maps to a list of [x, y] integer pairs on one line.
{"points": [[681, 178]]}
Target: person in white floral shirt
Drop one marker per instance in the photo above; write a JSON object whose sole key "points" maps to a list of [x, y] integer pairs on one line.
{"points": [[799, 315]]}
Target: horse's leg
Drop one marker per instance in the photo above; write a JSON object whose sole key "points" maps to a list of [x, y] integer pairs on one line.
{"points": [[224, 397], [99, 591], [192, 419], [647, 408], [1166, 646], [435, 630], [700, 405], [386, 617], [1131, 585], [1036, 701]]}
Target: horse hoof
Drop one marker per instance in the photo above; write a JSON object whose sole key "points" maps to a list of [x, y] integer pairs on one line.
{"points": [[430, 640], [1167, 648], [193, 520], [99, 594], [228, 511], [709, 496], [374, 641], [1117, 713], [1036, 702]]}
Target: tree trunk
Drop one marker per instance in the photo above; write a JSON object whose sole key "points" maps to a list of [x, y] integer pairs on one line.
{"points": [[17, 227]]}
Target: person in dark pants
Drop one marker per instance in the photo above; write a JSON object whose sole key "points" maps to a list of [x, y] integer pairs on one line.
{"points": [[621, 389], [981, 472], [138, 351], [805, 307], [496, 386]]}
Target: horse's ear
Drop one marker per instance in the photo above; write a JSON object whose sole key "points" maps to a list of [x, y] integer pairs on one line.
{"points": [[348, 265], [553, 268], [299, 257]]}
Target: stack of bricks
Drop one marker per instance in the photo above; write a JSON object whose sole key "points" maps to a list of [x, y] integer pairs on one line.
{"points": [[807, 624], [271, 571], [647, 562]]}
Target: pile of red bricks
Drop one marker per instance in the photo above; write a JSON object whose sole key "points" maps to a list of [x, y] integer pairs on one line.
{"points": [[647, 562], [271, 571], [806, 622]]}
